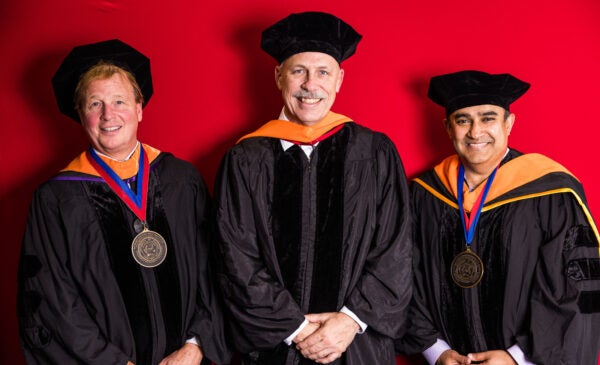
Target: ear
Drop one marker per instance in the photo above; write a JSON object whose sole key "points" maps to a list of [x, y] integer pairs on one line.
{"points": [[448, 127], [339, 81], [138, 111], [278, 76], [509, 123], [81, 116]]}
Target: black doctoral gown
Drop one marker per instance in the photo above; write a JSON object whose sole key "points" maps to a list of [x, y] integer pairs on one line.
{"points": [[308, 236], [82, 297], [539, 246]]}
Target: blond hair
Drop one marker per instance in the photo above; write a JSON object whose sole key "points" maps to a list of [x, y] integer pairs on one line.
{"points": [[101, 71]]}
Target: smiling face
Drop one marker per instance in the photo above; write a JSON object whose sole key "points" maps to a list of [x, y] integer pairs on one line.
{"points": [[480, 135], [309, 82], [110, 115]]}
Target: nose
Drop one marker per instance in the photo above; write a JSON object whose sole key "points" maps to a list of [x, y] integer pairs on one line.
{"points": [[107, 112], [309, 82], [475, 129]]}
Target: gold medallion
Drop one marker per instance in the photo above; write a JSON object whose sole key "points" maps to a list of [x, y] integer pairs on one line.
{"points": [[149, 248], [466, 269]]}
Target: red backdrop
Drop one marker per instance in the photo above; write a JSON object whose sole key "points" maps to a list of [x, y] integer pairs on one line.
{"points": [[212, 84]]}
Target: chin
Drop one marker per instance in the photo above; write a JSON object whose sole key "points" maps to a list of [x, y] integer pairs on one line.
{"points": [[311, 119]]}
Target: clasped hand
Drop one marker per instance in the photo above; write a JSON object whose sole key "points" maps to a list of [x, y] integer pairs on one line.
{"points": [[326, 336], [495, 357], [188, 354]]}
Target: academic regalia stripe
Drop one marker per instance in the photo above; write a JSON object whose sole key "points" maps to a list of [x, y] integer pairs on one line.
{"points": [[586, 211]]}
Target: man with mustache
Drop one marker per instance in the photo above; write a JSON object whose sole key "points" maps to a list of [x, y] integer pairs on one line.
{"points": [[312, 213], [506, 250]]}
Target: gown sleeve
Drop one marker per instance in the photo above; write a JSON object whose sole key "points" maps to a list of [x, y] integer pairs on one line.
{"points": [[261, 307], [55, 326], [565, 318], [422, 332], [207, 323], [382, 293]]}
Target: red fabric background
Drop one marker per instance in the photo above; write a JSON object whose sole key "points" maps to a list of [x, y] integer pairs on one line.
{"points": [[213, 84]]}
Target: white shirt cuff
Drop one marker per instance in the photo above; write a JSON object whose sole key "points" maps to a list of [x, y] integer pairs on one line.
{"points": [[288, 341], [434, 352], [518, 355], [193, 340], [363, 326]]}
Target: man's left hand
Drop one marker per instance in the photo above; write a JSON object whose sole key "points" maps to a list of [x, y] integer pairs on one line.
{"points": [[335, 334], [188, 354], [495, 357]]}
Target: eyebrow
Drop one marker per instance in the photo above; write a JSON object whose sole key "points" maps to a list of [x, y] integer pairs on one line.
{"points": [[112, 97], [461, 115], [302, 65], [466, 115], [491, 112], [96, 96]]}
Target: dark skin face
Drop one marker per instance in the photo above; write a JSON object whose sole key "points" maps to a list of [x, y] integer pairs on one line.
{"points": [[480, 137]]}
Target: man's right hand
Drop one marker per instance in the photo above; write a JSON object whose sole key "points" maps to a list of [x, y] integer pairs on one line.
{"points": [[306, 331], [494, 357], [336, 332], [451, 357]]}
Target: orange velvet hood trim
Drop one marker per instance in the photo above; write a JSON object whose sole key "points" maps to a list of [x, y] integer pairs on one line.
{"points": [[516, 172], [124, 170], [284, 129]]}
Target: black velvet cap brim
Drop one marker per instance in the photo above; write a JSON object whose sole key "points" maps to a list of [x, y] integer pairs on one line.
{"points": [[81, 58], [310, 32], [469, 88]]}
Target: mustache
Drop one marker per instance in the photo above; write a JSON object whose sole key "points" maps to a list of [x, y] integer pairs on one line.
{"points": [[310, 95]]}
